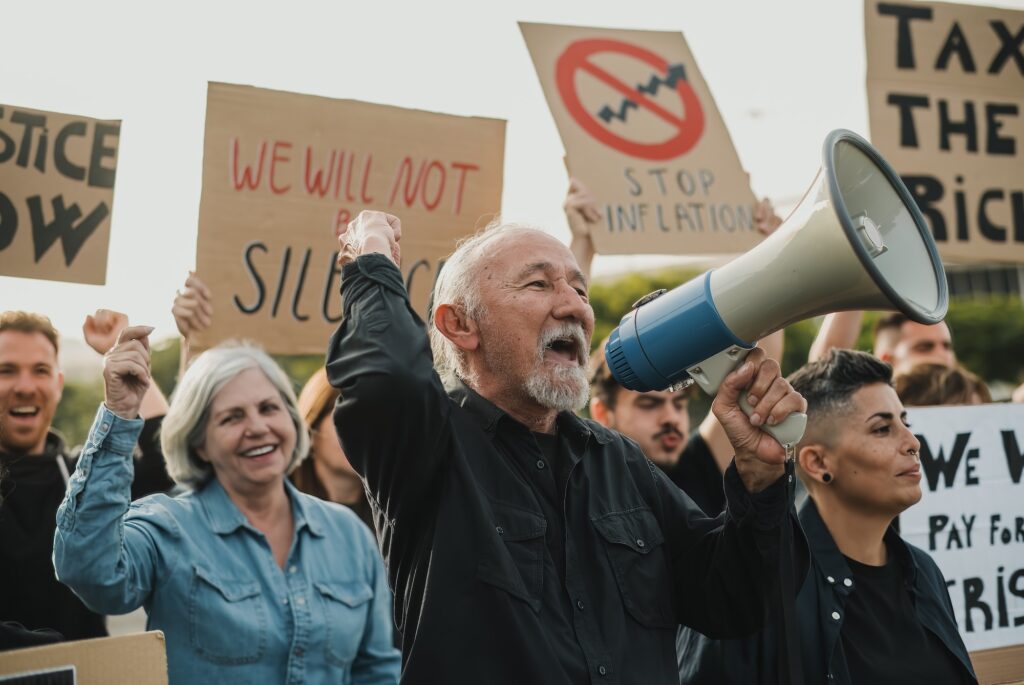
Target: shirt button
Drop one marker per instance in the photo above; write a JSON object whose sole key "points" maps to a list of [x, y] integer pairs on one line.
{"points": [[579, 604], [541, 464], [830, 579], [298, 651], [293, 569], [501, 531], [301, 601], [286, 600], [847, 582], [640, 542], [835, 615], [602, 670]]}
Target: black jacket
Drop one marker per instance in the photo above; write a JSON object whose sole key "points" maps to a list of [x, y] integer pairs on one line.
{"points": [[503, 575], [32, 489], [822, 596]]}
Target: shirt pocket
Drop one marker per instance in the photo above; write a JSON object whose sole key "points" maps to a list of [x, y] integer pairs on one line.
{"points": [[227, 618], [634, 543], [512, 557], [346, 609]]}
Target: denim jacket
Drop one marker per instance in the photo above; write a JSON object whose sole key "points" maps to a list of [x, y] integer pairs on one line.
{"points": [[208, 580]]}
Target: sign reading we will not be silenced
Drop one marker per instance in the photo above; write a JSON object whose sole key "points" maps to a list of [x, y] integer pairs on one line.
{"points": [[284, 173], [56, 194], [971, 516], [946, 107], [641, 130]]}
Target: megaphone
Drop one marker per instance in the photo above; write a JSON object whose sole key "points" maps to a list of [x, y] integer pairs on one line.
{"points": [[855, 241]]}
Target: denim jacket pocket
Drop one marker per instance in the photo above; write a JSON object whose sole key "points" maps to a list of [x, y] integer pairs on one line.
{"points": [[227, 618], [513, 557], [634, 543], [346, 612]]}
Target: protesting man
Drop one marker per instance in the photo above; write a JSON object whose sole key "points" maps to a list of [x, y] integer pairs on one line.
{"points": [[38, 464], [524, 544]]}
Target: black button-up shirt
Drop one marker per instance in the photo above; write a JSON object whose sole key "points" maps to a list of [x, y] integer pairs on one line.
{"points": [[474, 533]]}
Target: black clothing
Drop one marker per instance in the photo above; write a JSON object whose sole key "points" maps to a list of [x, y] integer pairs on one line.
{"points": [[16, 636], [883, 640], [823, 612], [471, 525], [32, 489], [697, 474]]}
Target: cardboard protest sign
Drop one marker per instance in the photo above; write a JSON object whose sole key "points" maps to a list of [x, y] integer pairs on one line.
{"points": [[946, 109], [56, 194], [642, 131], [971, 516], [139, 659], [283, 173]]}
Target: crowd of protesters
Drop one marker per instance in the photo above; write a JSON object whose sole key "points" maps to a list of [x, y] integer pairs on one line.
{"points": [[434, 489]]}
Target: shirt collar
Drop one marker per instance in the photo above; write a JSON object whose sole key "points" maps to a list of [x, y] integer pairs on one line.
{"points": [[830, 560], [490, 416], [225, 518]]}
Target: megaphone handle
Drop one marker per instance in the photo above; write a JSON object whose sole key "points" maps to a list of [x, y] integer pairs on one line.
{"points": [[709, 375]]}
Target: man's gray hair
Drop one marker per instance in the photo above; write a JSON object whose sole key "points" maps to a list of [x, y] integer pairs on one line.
{"points": [[458, 285], [184, 427]]}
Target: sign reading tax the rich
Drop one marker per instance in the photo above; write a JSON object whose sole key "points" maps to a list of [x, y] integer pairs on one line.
{"points": [[284, 173], [642, 132], [946, 106], [56, 194], [970, 518]]}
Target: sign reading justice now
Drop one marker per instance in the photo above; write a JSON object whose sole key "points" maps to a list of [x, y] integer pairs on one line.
{"points": [[946, 106], [642, 131], [283, 173], [56, 194]]}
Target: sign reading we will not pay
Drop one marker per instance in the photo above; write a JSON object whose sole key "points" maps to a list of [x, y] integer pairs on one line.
{"points": [[971, 518], [946, 107], [642, 132], [56, 194], [284, 173]]}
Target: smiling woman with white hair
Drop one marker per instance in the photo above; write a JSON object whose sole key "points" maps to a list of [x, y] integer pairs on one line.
{"points": [[250, 580]]}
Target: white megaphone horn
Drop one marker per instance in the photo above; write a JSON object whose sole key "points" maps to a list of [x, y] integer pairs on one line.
{"points": [[856, 241]]}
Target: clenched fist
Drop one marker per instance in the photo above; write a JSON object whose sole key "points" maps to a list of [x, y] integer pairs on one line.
{"points": [[126, 376], [371, 232]]}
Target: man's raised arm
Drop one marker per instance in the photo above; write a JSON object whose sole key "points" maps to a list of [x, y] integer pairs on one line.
{"points": [[392, 416]]}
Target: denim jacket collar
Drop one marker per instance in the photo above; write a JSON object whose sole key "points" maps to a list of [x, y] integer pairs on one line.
{"points": [[490, 416], [226, 518]]}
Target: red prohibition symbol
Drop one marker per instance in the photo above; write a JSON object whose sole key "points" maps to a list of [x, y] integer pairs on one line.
{"points": [[688, 128]]}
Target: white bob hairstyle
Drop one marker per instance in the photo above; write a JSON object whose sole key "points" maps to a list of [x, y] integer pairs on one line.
{"points": [[184, 427]]}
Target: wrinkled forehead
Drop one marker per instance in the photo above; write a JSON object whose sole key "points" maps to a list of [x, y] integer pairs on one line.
{"points": [[508, 254]]}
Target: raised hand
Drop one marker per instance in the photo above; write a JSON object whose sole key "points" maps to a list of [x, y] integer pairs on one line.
{"points": [[126, 374], [192, 308], [101, 329], [765, 218], [371, 232], [759, 456]]}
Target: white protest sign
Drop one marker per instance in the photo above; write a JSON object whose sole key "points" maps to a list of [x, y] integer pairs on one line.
{"points": [[971, 516]]}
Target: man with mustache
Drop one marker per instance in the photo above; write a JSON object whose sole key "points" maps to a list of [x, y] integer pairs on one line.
{"points": [[523, 543], [37, 465]]}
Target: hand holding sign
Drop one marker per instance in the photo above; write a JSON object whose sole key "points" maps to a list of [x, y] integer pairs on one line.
{"points": [[192, 308], [371, 232]]}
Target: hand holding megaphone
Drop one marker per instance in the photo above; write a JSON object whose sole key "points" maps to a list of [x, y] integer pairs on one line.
{"points": [[856, 241]]}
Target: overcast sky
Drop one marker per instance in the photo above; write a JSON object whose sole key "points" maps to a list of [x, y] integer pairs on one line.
{"points": [[783, 73]]}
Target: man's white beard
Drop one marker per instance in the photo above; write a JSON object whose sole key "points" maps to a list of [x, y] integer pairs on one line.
{"points": [[558, 387]]}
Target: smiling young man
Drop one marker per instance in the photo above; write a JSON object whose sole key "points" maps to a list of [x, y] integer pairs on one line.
{"points": [[524, 544], [37, 465], [872, 608]]}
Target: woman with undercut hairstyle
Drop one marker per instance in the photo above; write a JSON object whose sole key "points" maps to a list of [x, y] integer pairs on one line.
{"points": [[872, 609], [250, 580]]}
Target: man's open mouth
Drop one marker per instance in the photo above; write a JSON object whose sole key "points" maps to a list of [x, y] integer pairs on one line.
{"points": [[564, 349], [23, 411]]}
